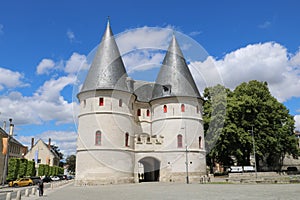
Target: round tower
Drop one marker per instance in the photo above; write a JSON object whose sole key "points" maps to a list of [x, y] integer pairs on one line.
{"points": [[105, 122], [177, 117]]}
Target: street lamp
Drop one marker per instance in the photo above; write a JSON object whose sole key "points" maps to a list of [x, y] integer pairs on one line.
{"points": [[253, 141], [10, 135], [186, 156]]}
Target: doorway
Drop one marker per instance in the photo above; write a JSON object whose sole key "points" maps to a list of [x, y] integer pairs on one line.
{"points": [[149, 169]]}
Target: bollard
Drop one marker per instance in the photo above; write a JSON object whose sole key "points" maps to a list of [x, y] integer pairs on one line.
{"points": [[26, 193], [18, 195], [33, 191], [8, 196]]}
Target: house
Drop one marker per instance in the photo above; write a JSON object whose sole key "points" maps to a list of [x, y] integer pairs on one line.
{"points": [[16, 149], [131, 131], [42, 153]]}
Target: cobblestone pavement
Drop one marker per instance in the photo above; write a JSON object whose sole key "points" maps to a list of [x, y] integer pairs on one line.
{"points": [[168, 191]]}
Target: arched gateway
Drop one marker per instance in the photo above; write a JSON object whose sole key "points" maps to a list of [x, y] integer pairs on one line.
{"points": [[149, 169]]}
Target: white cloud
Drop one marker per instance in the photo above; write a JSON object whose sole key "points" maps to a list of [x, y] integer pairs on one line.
{"points": [[297, 120], [143, 38], [142, 60], [71, 35], [75, 63], [10, 79], [264, 62], [45, 66], [65, 140]]}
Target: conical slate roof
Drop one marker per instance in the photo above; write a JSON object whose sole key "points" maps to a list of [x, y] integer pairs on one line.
{"points": [[174, 78], [107, 70]]}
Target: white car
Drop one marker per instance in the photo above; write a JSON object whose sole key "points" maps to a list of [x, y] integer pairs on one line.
{"points": [[55, 178]]}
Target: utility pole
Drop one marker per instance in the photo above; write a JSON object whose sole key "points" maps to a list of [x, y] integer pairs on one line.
{"points": [[186, 156], [10, 135]]}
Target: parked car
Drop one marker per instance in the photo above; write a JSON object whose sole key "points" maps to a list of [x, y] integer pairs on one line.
{"points": [[55, 178], [47, 179], [35, 179], [21, 182]]}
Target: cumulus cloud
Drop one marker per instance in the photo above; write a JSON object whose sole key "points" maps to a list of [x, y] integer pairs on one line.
{"points": [[10, 79], [143, 38], [44, 105], [268, 61], [75, 63], [142, 60], [45, 66], [65, 140]]}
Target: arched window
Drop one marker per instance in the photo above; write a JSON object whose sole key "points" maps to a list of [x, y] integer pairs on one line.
{"points": [[120, 102], [148, 113], [126, 139], [101, 101], [179, 141], [98, 138], [200, 142], [165, 109], [139, 112], [182, 108]]}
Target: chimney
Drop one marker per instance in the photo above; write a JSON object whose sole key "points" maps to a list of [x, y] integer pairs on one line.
{"points": [[49, 143], [32, 142]]}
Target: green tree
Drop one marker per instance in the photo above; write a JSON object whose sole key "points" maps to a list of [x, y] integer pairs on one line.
{"points": [[57, 151], [251, 105], [71, 163]]}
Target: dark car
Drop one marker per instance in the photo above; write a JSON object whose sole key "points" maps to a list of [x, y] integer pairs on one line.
{"points": [[35, 179], [47, 179]]}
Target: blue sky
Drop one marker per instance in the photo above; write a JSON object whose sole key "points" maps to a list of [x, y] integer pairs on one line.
{"points": [[43, 43]]}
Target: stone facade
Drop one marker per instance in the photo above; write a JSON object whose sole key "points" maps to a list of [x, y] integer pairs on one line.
{"points": [[139, 131]]}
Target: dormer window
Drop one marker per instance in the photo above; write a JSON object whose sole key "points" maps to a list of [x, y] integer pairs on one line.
{"points": [[166, 89]]}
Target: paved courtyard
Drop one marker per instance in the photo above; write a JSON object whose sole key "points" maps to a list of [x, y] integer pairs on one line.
{"points": [[167, 191]]}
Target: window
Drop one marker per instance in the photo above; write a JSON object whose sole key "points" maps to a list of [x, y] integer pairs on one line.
{"points": [[197, 109], [179, 141], [139, 112], [120, 102], [84, 103], [182, 108], [165, 109], [148, 113], [101, 101], [127, 139], [200, 142], [98, 138]]}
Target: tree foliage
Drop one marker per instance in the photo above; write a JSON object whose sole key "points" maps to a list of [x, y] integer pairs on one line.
{"points": [[249, 106], [71, 163]]}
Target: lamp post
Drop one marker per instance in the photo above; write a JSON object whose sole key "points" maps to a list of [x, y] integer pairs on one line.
{"points": [[254, 152], [186, 156], [10, 135]]}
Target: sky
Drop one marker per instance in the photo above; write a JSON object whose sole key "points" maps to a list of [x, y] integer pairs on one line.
{"points": [[45, 46]]}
